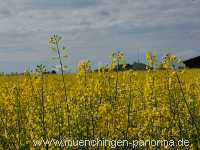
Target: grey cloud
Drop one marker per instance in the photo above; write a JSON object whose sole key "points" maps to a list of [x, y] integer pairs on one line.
{"points": [[99, 24], [65, 4], [5, 13]]}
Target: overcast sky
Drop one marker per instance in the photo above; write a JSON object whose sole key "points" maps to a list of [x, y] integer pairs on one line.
{"points": [[92, 28]]}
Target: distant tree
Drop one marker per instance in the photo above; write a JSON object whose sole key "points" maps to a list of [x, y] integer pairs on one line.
{"points": [[53, 72], [41, 69]]}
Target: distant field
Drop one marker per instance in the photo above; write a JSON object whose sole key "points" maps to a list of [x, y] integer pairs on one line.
{"points": [[130, 105]]}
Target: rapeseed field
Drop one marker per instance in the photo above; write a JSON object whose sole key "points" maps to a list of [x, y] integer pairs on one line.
{"points": [[153, 104]]}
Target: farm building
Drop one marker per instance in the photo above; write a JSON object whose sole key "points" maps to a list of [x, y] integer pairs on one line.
{"points": [[193, 62]]}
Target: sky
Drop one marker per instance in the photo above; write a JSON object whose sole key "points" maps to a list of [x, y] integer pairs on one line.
{"points": [[91, 29]]}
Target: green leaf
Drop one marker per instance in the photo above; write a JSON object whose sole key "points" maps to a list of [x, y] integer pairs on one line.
{"points": [[65, 56], [65, 67], [63, 48], [55, 58], [53, 49]]}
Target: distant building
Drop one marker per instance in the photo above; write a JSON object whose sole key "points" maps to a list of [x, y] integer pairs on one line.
{"points": [[193, 62]]}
